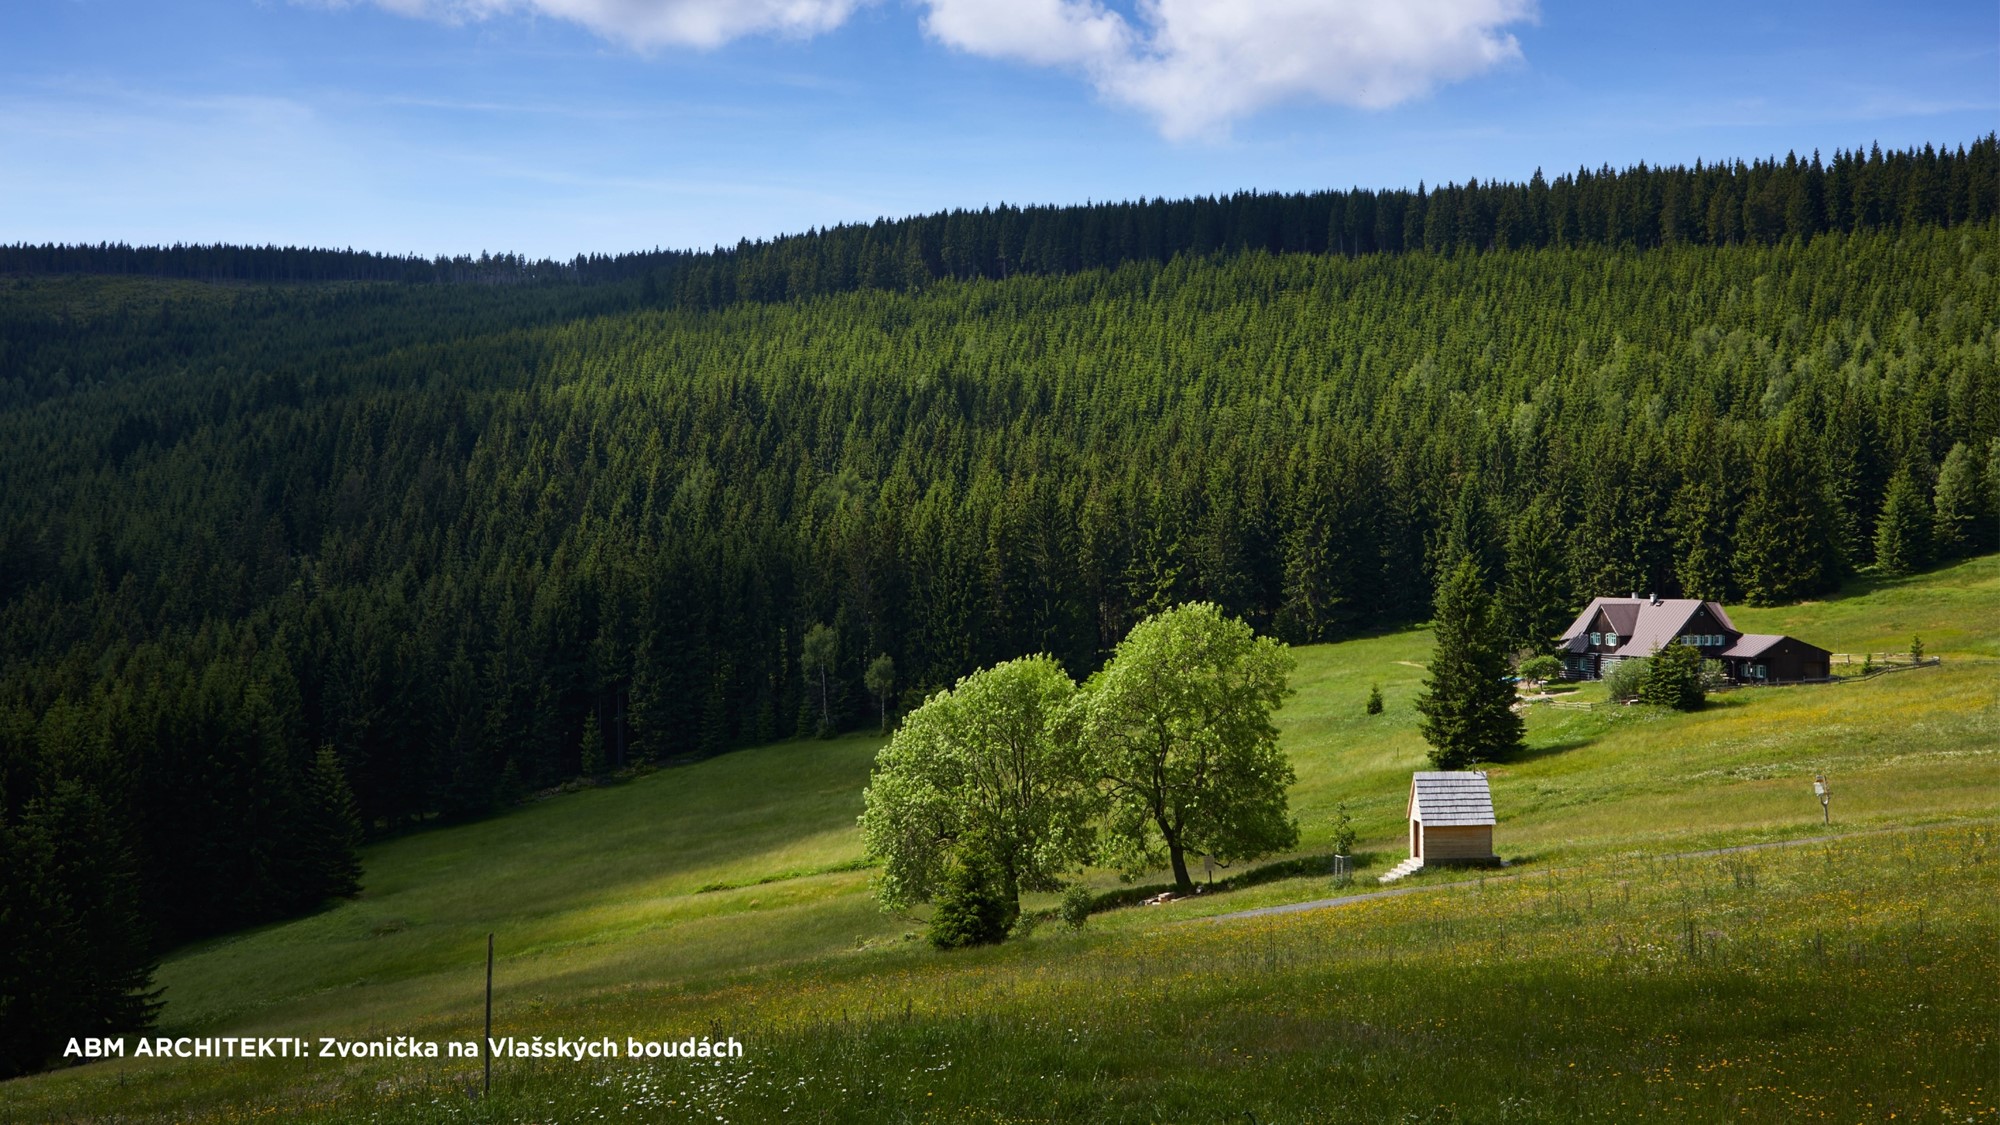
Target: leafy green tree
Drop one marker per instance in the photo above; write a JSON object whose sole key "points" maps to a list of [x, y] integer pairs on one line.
{"points": [[817, 655], [996, 759], [1903, 533], [1343, 830], [1466, 700], [880, 679], [1074, 909], [1542, 668], [1674, 678], [1626, 679], [1180, 723]]}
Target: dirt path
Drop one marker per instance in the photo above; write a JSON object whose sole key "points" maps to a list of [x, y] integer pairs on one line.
{"points": [[1420, 888]]}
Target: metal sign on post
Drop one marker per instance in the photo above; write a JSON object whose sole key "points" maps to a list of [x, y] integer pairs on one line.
{"points": [[1825, 795]]}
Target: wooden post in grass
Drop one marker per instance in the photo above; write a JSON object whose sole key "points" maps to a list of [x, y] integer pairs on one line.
{"points": [[486, 1042], [1825, 794]]}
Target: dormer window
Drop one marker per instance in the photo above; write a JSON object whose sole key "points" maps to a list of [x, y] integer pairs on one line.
{"points": [[1611, 639], [1597, 638]]}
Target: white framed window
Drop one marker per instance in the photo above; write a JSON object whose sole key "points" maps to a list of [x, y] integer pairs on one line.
{"points": [[1611, 639], [1597, 638]]}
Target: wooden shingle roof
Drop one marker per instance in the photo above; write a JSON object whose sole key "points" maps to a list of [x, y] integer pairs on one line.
{"points": [[1448, 798]]}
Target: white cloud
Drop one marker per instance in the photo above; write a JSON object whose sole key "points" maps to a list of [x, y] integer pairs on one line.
{"points": [[1198, 64], [655, 23], [1193, 65]]}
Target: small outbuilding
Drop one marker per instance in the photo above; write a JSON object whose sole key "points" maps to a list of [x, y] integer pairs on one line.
{"points": [[1451, 819]]}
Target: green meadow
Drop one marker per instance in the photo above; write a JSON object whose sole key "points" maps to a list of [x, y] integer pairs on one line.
{"points": [[1600, 979]]}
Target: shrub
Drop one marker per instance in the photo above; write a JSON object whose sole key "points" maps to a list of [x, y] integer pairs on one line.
{"points": [[1714, 677], [1541, 668], [973, 905], [1075, 907], [1627, 677], [1374, 699], [1673, 679]]}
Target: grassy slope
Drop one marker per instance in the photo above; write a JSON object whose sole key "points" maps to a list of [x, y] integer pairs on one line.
{"points": [[603, 924]]}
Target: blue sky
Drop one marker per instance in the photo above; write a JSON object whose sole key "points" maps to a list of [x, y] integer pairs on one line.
{"points": [[553, 127]]}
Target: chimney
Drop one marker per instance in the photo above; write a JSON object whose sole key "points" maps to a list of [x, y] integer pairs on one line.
{"points": [[1655, 597]]}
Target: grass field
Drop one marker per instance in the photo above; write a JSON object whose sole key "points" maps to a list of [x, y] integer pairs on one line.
{"points": [[729, 897]]}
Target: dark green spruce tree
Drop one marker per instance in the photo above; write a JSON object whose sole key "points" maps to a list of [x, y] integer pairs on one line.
{"points": [[1673, 679], [332, 831], [975, 906], [1786, 548], [1536, 601], [1903, 533], [1963, 527], [1466, 701]]}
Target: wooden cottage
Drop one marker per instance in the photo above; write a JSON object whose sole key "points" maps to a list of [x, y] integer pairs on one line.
{"points": [[1451, 819], [1613, 629]]}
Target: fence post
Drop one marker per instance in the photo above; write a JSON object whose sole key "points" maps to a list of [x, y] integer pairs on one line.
{"points": [[486, 1042]]}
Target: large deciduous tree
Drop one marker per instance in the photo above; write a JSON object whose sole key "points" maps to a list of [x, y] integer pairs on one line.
{"points": [[993, 764], [1466, 701], [1180, 723]]}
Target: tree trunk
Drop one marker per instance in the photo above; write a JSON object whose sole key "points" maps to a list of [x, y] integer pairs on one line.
{"points": [[1182, 882]]}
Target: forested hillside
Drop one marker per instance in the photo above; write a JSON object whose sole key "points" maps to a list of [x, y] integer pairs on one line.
{"points": [[479, 539], [1722, 204]]}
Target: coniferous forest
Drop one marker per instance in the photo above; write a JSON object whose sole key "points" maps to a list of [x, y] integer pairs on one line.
{"points": [[302, 546]]}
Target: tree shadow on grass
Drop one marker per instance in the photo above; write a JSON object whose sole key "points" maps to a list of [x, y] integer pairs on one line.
{"points": [[1316, 866], [1548, 750]]}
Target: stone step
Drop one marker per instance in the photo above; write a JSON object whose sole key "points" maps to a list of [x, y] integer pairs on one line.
{"points": [[1408, 867]]}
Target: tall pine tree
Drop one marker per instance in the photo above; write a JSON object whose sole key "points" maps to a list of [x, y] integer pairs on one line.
{"points": [[1466, 701], [1536, 601], [1785, 542], [1903, 533], [332, 830], [1963, 527]]}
